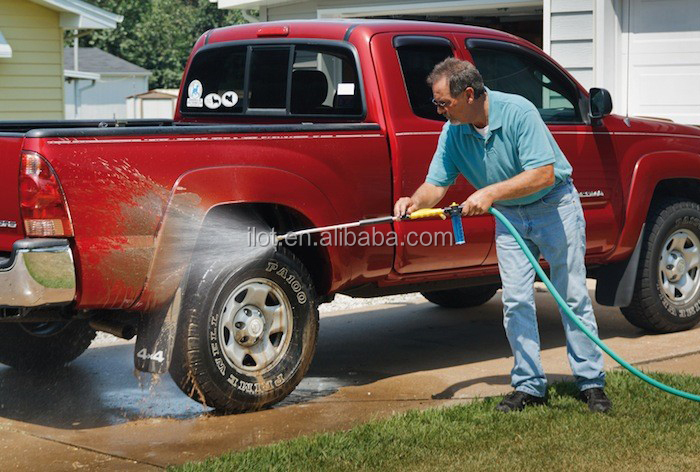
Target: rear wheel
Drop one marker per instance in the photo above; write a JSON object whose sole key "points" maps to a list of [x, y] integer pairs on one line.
{"points": [[463, 297], [247, 335], [35, 346], [667, 291]]}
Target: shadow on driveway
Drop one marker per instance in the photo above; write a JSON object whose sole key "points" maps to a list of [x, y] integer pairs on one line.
{"points": [[101, 387]]}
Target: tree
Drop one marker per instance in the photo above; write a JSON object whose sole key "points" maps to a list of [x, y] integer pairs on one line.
{"points": [[158, 34]]}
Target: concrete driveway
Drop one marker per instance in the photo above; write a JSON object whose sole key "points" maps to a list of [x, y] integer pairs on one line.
{"points": [[372, 360]]}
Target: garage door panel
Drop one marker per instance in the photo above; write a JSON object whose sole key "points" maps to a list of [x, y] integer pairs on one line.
{"points": [[670, 43], [664, 59], [664, 16]]}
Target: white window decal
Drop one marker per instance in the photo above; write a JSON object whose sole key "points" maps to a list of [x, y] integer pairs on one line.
{"points": [[194, 94], [346, 89], [212, 101], [229, 99]]}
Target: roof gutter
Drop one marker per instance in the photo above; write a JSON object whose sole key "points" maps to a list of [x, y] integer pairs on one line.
{"points": [[76, 74], [76, 14]]}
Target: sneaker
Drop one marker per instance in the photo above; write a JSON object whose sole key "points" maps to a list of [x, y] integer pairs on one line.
{"points": [[517, 400], [597, 401]]}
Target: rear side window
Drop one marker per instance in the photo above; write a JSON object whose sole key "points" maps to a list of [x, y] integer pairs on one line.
{"points": [[417, 62], [273, 79]]}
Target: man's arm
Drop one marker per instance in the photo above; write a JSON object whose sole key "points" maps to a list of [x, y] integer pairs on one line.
{"points": [[523, 184], [426, 196]]}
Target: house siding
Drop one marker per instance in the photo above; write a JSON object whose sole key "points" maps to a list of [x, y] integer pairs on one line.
{"points": [[296, 11], [31, 81], [571, 33], [106, 99]]}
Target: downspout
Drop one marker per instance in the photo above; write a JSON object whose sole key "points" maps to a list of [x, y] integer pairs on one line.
{"points": [[75, 50], [76, 100], [78, 92], [249, 17]]}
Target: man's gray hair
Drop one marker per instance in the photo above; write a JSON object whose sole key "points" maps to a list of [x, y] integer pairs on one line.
{"points": [[459, 74]]}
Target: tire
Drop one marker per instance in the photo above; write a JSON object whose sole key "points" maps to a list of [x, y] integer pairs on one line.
{"points": [[667, 290], [229, 352], [464, 297], [43, 346]]}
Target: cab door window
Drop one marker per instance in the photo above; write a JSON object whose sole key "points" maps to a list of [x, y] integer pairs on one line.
{"points": [[513, 69]]}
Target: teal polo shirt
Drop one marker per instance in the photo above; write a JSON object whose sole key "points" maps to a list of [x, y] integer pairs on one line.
{"points": [[517, 140]]}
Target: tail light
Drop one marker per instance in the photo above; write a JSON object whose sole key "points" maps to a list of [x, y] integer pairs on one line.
{"points": [[41, 199]]}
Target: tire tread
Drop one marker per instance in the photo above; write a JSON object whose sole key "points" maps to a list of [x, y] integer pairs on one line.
{"points": [[188, 372], [646, 310]]}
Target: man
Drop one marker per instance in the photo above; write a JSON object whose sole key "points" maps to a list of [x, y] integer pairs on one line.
{"points": [[499, 142]]}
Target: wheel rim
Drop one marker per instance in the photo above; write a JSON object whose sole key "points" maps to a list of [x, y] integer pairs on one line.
{"points": [[678, 267], [256, 325]]}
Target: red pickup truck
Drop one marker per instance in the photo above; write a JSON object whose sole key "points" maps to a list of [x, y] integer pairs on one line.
{"points": [[145, 227]]}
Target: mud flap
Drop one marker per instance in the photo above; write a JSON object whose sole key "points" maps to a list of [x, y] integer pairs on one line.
{"points": [[615, 284], [156, 338]]}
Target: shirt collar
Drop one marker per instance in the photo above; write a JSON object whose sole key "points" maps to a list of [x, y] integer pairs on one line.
{"points": [[495, 111]]}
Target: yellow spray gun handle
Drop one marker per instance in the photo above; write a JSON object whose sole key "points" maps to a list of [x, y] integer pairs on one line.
{"points": [[455, 213], [433, 212], [427, 213]]}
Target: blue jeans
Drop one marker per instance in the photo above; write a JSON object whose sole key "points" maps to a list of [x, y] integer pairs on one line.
{"points": [[553, 227]]}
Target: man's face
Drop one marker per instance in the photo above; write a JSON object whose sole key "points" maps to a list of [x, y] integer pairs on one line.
{"points": [[459, 109]]}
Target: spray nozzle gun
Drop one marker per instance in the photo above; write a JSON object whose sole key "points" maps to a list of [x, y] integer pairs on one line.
{"points": [[454, 211]]}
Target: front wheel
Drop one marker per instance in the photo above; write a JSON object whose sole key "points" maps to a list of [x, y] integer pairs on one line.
{"points": [[248, 334], [667, 291]]}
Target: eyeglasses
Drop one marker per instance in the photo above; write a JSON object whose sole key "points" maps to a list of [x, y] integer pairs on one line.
{"points": [[440, 103], [443, 104]]}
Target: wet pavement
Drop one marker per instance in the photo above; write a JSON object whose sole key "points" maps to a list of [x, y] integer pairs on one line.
{"points": [[373, 361]]}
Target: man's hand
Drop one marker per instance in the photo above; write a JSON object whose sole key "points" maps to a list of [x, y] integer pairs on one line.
{"points": [[404, 206], [478, 203], [426, 196]]}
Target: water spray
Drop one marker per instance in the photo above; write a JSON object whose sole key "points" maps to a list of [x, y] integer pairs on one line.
{"points": [[454, 212]]}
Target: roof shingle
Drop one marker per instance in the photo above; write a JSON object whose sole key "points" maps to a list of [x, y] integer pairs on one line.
{"points": [[101, 62]]}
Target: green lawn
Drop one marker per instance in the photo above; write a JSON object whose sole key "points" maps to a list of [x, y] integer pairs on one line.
{"points": [[648, 430]]}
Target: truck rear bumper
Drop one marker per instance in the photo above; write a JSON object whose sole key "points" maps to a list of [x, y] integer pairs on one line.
{"points": [[38, 272]]}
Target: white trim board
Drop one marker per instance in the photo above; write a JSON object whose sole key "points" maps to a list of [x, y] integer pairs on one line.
{"points": [[242, 4], [5, 48], [422, 8]]}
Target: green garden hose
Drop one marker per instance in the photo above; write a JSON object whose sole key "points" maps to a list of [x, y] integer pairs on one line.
{"points": [[455, 213], [562, 304]]}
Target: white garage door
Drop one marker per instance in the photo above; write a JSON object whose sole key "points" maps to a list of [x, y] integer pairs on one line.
{"points": [[664, 59]]}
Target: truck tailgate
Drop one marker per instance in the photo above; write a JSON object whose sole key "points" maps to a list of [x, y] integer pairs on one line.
{"points": [[10, 224]]}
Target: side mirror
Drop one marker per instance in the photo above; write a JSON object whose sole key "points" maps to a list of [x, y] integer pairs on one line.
{"points": [[600, 103]]}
